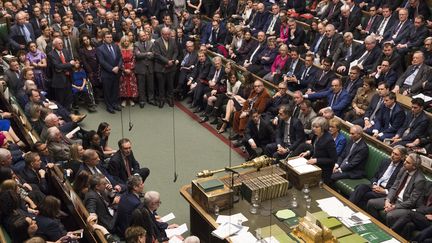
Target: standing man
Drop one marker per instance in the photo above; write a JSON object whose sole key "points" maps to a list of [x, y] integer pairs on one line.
{"points": [[21, 33], [144, 68], [110, 59], [166, 53], [61, 73]]}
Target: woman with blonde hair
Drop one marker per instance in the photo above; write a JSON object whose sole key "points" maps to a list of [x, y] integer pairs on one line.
{"points": [[128, 82]]}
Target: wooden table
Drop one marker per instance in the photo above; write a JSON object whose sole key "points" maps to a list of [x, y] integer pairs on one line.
{"points": [[203, 223]]}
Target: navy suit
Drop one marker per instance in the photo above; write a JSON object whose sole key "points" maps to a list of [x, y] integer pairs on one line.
{"points": [[128, 203], [16, 36], [363, 192], [389, 78], [369, 62], [352, 164], [104, 172], [324, 151], [117, 167], [298, 39], [110, 79], [417, 127], [322, 80], [389, 125], [308, 76], [297, 137], [259, 22], [50, 229], [341, 102], [32, 177], [402, 34], [262, 137]]}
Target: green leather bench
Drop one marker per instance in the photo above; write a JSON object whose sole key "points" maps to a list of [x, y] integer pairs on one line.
{"points": [[346, 186]]}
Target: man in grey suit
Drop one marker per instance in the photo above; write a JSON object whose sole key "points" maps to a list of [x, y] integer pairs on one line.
{"points": [[404, 194], [144, 68], [13, 77], [166, 53], [411, 81]]}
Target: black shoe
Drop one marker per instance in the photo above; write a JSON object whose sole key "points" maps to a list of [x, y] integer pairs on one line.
{"points": [[203, 114], [110, 110], [204, 119], [237, 143], [91, 109], [153, 103], [214, 122], [234, 137], [141, 104], [117, 108], [161, 104], [170, 102]]}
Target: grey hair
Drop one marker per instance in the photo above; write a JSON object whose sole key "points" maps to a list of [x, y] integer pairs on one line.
{"points": [[150, 196], [52, 131], [416, 158], [4, 154], [192, 239], [320, 122]]}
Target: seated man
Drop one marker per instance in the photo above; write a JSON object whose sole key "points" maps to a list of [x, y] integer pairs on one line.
{"points": [[389, 120], [308, 75], [289, 135], [416, 124], [58, 145], [281, 97], [258, 100], [97, 201], [152, 202], [324, 76], [123, 163], [351, 162], [307, 114], [377, 103], [258, 134], [383, 179], [403, 195], [411, 81], [337, 98], [384, 73]]}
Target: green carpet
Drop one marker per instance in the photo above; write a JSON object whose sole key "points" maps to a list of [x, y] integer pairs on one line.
{"points": [[154, 140]]}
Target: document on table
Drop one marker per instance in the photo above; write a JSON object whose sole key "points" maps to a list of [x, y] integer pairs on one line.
{"points": [[226, 230], [303, 169], [243, 237], [221, 219], [168, 217], [271, 239], [297, 162], [176, 231], [333, 207]]}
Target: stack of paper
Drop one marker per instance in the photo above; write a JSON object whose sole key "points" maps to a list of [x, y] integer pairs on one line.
{"points": [[335, 208], [176, 231], [235, 219], [225, 230], [243, 237], [301, 166]]}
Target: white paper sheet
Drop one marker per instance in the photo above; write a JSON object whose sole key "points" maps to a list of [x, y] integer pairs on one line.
{"points": [[271, 239], [303, 169], [243, 237], [175, 239], [176, 231], [297, 162], [168, 217], [221, 219], [225, 230]]}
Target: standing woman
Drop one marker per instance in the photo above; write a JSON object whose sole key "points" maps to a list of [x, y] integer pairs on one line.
{"points": [[128, 82], [193, 6], [323, 150], [38, 61], [90, 63]]}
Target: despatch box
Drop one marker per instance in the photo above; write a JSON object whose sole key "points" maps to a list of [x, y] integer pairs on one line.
{"points": [[298, 177], [208, 199]]}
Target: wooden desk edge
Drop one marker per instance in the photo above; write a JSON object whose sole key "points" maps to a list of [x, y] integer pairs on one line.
{"points": [[374, 220], [184, 192]]}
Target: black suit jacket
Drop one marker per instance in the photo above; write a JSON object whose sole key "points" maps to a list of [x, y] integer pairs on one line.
{"points": [[417, 128], [95, 203], [106, 61], [322, 81], [356, 162], [374, 102], [14, 81], [58, 69], [308, 76], [333, 18], [402, 35], [49, 229], [299, 37], [117, 167], [331, 45], [382, 169], [32, 177], [162, 55], [390, 78], [263, 136], [387, 28], [369, 62], [324, 151], [390, 124], [423, 74], [395, 62], [297, 70], [297, 134]]}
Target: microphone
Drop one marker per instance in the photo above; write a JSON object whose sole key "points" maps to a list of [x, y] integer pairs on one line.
{"points": [[130, 125], [231, 170], [175, 176]]}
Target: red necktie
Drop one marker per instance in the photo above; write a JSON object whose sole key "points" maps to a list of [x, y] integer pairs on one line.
{"points": [[401, 186], [62, 58]]}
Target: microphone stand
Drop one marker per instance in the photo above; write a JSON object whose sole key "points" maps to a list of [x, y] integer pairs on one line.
{"points": [[235, 198]]}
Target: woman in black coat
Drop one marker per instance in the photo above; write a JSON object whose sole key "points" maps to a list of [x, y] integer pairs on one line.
{"points": [[323, 149]]}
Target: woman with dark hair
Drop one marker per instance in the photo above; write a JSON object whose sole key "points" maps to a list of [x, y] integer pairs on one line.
{"points": [[93, 142], [37, 60], [104, 131], [81, 183], [90, 63], [22, 228]]}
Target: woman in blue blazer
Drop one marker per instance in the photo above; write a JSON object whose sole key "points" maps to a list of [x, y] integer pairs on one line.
{"points": [[338, 137]]}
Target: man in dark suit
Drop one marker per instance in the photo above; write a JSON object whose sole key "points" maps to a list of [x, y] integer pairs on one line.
{"points": [[123, 163], [21, 33], [88, 25], [254, 53], [389, 120], [345, 51], [291, 71], [316, 44], [386, 22], [33, 173], [365, 57], [383, 179], [214, 36], [297, 35], [324, 77], [385, 74], [411, 81], [13, 77], [348, 20], [333, 11], [35, 21], [401, 29], [260, 19], [376, 104], [416, 124], [351, 162], [258, 134], [403, 195], [128, 203], [199, 72], [272, 26], [416, 8], [331, 42], [415, 39], [390, 53], [97, 201], [165, 54], [370, 22], [65, 7], [151, 8], [111, 61], [186, 68], [353, 82], [337, 98], [288, 136], [70, 43], [62, 65], [144, 57], [307, 75]]}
